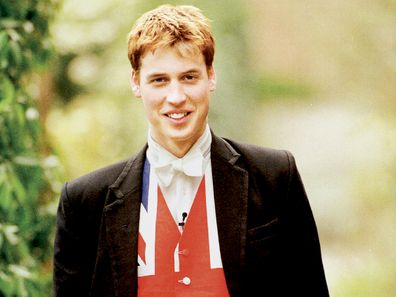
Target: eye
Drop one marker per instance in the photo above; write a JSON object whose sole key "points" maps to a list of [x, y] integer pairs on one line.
{"points": [[190, 77], [158, 80]]}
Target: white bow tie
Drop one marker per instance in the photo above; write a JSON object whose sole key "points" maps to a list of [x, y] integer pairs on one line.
{"points": [[191, 165]]}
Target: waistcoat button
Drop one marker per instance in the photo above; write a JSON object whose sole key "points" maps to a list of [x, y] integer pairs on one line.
{"points": [[184, 252], [186, 280]]}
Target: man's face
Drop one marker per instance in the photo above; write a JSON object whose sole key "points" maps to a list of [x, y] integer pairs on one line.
{"points": [[175, 91]]}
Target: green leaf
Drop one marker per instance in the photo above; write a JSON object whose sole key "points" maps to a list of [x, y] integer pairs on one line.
{"points": [[5, 189], [17, 186], [16, 57], [21, 289], [6, 284], [6, 196], [20, 271], [7, 93], [9, 23], [9, 232], [3, 50], [26, 161], [19, 112]]}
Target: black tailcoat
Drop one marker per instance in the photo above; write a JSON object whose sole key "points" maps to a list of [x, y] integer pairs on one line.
{"points": [[268, 237]]}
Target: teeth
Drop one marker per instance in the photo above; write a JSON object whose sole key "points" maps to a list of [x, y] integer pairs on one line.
{"points": [[177, 115]]}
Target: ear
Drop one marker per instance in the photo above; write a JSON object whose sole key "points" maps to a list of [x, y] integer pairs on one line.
{"points": [[212, 78], [135, 84]]}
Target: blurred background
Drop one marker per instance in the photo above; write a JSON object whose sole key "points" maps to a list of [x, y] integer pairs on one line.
{"points": [[314, 77]]}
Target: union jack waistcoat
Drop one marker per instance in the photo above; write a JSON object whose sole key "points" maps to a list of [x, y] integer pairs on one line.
{"points": [[175, 263]]}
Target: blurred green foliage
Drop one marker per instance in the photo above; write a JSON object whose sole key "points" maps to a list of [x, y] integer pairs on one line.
{"points": [[26, 176], [274, 87]]}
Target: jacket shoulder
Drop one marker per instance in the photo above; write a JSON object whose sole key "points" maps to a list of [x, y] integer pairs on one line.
{"points": [[94, 185], [264, 159]]}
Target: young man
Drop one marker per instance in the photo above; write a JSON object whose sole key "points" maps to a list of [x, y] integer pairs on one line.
{"points": [[192, 214]]}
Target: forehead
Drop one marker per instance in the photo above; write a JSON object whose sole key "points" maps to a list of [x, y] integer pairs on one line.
{"points": [[171, 59]]}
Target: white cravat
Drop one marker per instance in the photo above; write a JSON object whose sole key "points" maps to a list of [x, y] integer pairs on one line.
{"points": [[179, 178], [167, 166]]}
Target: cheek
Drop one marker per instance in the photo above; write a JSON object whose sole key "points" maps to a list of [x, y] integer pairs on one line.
{"points": [[150, 100], [202, 101], [149, 108], [200, 95]]}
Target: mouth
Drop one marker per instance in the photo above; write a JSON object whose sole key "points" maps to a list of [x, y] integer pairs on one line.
{"points": [[177, 116]]}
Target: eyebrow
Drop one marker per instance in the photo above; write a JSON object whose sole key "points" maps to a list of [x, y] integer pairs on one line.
{"points": [[160, 74], [192, 70], [155, 75]]}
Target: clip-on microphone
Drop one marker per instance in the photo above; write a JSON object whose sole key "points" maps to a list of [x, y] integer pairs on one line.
{"points": [[182, 223]]}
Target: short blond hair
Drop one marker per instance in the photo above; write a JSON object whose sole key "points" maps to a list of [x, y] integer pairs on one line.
{"points": [[183, 27]]}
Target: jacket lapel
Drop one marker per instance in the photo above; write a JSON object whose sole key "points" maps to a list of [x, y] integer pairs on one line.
{"points": [[121, 215], [230, 184]]}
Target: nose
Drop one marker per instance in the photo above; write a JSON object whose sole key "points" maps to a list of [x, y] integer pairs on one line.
{"points": [[176, 95]]}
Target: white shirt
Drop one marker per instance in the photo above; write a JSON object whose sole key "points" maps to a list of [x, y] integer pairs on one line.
{"points": [[180, 193]]}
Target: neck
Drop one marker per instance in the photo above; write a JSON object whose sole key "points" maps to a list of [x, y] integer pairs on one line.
{"points": [[179, 148]]}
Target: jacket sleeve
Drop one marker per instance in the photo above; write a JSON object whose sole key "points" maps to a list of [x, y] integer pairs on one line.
{"points": [[302, 240], [70, 273]]}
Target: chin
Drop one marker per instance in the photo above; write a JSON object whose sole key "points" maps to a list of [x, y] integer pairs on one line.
{"points": [[182, 135]]}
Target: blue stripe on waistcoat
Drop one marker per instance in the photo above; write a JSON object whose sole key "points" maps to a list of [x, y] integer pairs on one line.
{"points": [[146, 182]]}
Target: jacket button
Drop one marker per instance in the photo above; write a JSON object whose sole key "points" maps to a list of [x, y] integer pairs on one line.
{"points": [[186, 280]]}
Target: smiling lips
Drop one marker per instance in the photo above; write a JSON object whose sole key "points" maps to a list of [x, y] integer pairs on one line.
{"points": [[177, 116]]}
